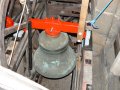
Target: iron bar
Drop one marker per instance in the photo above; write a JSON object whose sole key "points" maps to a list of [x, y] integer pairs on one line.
{"points": [[96, 18], [30, 45], [27, 71]]}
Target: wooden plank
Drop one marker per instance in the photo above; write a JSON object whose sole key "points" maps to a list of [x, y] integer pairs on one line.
{"points": [[11, 5], [83, 16], [78, 74], [10, 80], [9, 49], [87, 70], [3, 9], [18, 50], [73, 1], [64, 9], [13, 29]]}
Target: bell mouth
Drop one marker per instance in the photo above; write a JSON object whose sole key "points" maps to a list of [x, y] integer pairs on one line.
{"points": [[59, 77]]}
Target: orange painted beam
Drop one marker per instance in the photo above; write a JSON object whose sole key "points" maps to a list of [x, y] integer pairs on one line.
{"points": [[52, 26], [55, 24]]}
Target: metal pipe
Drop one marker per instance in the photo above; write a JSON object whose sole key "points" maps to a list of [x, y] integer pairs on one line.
{"points": [[27, 71], [30, 45], [103, 10], [91, 23]]}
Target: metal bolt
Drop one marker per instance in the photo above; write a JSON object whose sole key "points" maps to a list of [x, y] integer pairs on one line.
{"points": [[78, 40], [51, 29], [80, 33]]}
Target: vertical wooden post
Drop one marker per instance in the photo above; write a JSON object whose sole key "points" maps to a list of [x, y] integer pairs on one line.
{"points": [[83, 16], [3, 9], [87, 70]]}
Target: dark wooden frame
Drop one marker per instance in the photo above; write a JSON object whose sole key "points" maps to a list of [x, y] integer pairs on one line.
{"points": [[3, 7]]}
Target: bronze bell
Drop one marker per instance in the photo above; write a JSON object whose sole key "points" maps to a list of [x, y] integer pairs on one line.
{"points": [[54, 58]]}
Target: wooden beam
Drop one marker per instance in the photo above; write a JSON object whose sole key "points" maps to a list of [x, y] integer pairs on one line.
{"points": [[63, 9], [3, 9], [73, 1], [19, 49], [83, 16], [13, 29], [87, 70]]}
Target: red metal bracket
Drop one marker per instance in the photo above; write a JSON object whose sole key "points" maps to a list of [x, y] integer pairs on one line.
{"points": [[52, 26], [9, 22]]}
